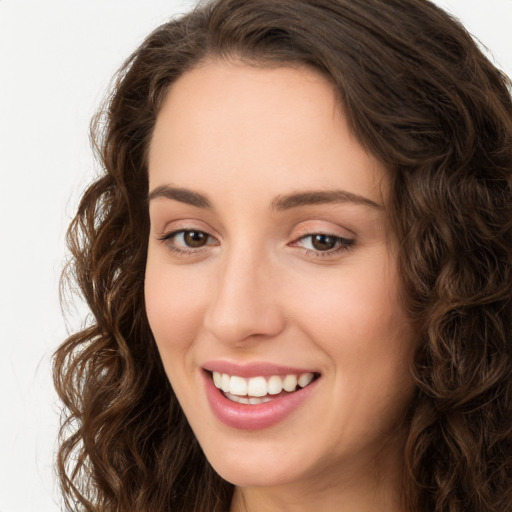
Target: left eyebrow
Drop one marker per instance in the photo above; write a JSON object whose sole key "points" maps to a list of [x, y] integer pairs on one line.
{"points": [[308, 198]]}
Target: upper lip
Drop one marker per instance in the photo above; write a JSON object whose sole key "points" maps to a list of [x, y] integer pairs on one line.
{"points": [[253, 369]]}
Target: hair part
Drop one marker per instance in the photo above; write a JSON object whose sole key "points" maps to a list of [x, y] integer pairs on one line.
{"points": [[422, 98]]}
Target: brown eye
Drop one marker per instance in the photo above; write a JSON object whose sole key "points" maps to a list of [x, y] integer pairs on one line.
{"points": [[324, 242], [188, 242], [195, 239]]}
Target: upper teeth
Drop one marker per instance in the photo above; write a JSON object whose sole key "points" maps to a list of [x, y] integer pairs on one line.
{"points": [[260, 386]]}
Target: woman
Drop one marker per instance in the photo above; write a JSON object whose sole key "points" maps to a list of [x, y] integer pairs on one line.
{"points": [[298, 263]]}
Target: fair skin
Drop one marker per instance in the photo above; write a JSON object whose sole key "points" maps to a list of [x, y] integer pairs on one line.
{"points": [[241, 270]]}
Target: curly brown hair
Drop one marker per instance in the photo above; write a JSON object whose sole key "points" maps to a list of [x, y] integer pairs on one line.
{"points": [[421, 97]]}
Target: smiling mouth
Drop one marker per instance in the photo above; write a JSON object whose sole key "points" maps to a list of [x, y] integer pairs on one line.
{"points": [[259, 390]]}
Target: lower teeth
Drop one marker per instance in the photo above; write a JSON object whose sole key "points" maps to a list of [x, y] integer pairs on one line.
{"points": [[247, 400]]}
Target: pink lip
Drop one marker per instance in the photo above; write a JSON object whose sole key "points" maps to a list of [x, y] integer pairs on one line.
{"points": [[256, 369], [254, 417]]}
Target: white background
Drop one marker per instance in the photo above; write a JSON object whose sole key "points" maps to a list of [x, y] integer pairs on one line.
{"points": [[56, 60]]}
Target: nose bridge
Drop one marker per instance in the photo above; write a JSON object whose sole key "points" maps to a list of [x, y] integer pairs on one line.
{"points": [[243, 303]]}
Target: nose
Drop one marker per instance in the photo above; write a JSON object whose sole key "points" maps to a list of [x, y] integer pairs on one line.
{"points": [[244, 303]]}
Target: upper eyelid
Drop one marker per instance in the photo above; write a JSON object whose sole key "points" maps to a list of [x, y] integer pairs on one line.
{"points": [[176, 231], [324, 233], [332, 230], [344, 240], [173, 232], [302, 227], [185, 225], [304, 233]]}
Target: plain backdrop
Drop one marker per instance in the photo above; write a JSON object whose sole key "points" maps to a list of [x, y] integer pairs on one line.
{"points": [[56, 61]]}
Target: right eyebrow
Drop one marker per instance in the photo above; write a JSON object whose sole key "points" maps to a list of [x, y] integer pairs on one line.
{"points": [[182, 195]]}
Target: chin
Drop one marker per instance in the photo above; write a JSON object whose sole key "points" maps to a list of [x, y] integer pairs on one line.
{"points": [[244, 474], [257, 462]]}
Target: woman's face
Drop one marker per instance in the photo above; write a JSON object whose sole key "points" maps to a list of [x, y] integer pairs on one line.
{"points": [[271, 261]]}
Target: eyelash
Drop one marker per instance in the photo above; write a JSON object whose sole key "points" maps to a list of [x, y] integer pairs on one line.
{"points": [[342, 244], [167, 238]]}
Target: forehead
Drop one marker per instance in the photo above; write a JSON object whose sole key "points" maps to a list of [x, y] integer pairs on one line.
{"points": [[226, 121]]}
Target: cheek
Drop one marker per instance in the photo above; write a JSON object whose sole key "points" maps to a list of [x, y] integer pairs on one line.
{"points": [[359, 323], [359, 309], [174, 313]]}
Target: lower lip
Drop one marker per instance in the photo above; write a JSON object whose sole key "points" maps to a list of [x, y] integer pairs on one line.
{"points": [[254, 417]]}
